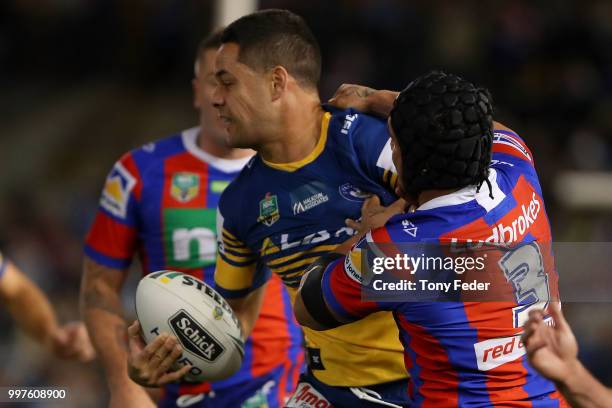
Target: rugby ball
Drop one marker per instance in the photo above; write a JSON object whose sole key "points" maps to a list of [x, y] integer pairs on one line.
{"points": [[202, 321]]}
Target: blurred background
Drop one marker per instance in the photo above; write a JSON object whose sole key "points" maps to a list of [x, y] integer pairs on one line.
{"points": [[83, 81]]}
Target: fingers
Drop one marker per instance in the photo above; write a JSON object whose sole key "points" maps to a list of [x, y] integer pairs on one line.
{"points": [[353, 224], [134, 329], [554, 308], [173, 376], [536, 315], [341, 91], [371, 203], [165, 365], [147, 353], [149, 364], [398, 206]]}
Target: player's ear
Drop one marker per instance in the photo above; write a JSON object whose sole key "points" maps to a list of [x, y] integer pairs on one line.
{"points": [[195, 86], [279, 79]]}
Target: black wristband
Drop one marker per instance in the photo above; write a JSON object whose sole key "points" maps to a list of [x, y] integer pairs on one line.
{"points": [[312, 294]]}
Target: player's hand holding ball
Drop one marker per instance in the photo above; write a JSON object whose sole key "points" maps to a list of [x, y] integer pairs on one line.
{"points": [[185, 332], [148, 364]]}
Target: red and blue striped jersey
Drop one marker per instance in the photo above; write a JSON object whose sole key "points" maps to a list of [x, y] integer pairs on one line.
{"points": [[160, 202], [458, 352]]}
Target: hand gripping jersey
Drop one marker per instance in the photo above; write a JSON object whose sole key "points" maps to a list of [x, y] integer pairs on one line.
{"points": [[287, 215], [463, 353], [160, 201]]}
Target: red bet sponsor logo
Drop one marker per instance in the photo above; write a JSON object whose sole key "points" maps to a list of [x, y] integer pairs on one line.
{"points": [[307, 397], [495, 352]]}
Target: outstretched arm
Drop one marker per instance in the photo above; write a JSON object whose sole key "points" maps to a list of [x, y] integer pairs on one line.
{"points": [[365, 99], [102, 311], [553, 351], [33, 312]]}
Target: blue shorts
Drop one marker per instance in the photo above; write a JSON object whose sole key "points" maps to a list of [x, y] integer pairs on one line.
{"points": [[311, 392], [266, 391]]}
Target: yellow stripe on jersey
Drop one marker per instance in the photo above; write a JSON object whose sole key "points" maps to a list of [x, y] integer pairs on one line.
{"points": [[303, 262], [393, 180], [385, 178], [230, 236], [241, 250], [237, 258], [268, 248], [321, 248], [389, 178], [232, 277], [293, 166]]}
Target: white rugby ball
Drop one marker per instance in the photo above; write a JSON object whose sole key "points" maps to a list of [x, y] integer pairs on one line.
{"points": [[203, 322]]}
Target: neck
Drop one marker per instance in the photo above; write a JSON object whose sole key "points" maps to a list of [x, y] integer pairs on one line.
{"points": [[299, 132], [212, 146]]}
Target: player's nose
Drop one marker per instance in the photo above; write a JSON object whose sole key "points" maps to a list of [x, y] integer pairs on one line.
{"points": [[217, 99]]}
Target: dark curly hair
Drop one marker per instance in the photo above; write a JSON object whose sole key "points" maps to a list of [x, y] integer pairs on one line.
{"points": [[443, 125]]}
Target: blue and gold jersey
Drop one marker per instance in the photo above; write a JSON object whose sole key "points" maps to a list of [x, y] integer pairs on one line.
{"points": [[286, 215]]}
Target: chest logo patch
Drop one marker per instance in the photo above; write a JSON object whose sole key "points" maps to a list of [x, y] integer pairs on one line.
{"points": [[268, 210], [352, 193], [185, 186]]}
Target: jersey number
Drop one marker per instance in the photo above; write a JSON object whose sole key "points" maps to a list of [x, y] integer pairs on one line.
{"points": [[524, 269]]}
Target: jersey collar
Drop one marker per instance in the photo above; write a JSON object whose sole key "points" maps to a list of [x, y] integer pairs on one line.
{"points": [[293, 166]]}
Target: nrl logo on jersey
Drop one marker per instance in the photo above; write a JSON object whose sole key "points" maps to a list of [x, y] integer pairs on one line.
{"points": [[268, 210], [185, 186]]}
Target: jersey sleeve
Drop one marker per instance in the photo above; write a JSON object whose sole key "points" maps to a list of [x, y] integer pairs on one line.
{"points": [[238, 271], [509, 145], [373, 147], [112, 238], [341, 286]]}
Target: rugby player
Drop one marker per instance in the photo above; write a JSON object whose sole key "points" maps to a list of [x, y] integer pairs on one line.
{"points": [[289, 205], [553, 352], [33, 313], [469, 179], [159, 201]]}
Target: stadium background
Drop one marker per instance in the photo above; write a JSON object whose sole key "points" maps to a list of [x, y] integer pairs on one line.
{"points": [[82, 81]]}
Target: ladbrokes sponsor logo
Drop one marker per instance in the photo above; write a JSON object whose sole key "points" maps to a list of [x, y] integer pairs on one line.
{"points": [[516, 230], [495, 352], [307, 397], [507, 232], [194, 338]]}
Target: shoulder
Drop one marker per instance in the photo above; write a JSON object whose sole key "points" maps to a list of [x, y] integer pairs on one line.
{"points": [[353, 123], [507, 141], [155, 152], [242, 186], [139, 159]]}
